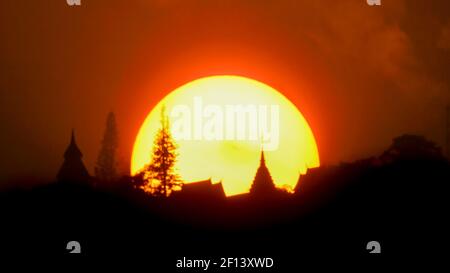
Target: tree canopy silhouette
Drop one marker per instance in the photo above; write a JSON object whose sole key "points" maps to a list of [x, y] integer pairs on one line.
{"points": [[412, 147], [105, 169], [159, 176]]}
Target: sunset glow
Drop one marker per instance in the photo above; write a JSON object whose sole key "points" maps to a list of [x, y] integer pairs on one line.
{"points": [[207, 149]]}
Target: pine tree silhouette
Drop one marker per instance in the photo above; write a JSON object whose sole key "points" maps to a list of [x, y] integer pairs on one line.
{"points": [[105, 169], [160, 176]]}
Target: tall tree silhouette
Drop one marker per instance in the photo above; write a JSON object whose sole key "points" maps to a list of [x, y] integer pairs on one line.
{"points": [[160, 176], [105, 169]]}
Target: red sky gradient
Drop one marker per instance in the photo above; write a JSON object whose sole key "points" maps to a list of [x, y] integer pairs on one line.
{"points": [[361, 75]]}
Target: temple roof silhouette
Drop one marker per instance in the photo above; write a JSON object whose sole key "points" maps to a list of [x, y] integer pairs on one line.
{"points": [[73, 169], [204, 188]]}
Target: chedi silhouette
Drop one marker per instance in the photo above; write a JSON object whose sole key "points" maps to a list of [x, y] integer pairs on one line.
{"points": [[73, 170]]}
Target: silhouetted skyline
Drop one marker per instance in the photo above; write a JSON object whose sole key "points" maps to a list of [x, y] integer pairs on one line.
{"points": [[361, 75]]}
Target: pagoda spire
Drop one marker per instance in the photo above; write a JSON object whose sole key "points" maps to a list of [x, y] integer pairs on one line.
{"points": [[73, 150], [263, 183], [262, 161], [73, 169], [72, 138]]}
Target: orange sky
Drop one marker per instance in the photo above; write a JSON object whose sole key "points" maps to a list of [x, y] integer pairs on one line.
{"points": [[361, 75]]}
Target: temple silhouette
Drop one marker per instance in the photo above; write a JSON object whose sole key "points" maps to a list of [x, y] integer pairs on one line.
{"points": [[73, 170], [409, 179], [262, 185], [263, 182], [201, 189]]}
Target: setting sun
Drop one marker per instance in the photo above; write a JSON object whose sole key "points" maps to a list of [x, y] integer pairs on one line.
{"points": [[221, 123]]}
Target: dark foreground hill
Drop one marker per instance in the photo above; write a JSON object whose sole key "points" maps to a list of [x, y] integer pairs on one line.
{"points": [[335, 213]]}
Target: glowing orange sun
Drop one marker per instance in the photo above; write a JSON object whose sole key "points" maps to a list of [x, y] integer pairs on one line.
{"points": [[221, 123]]}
